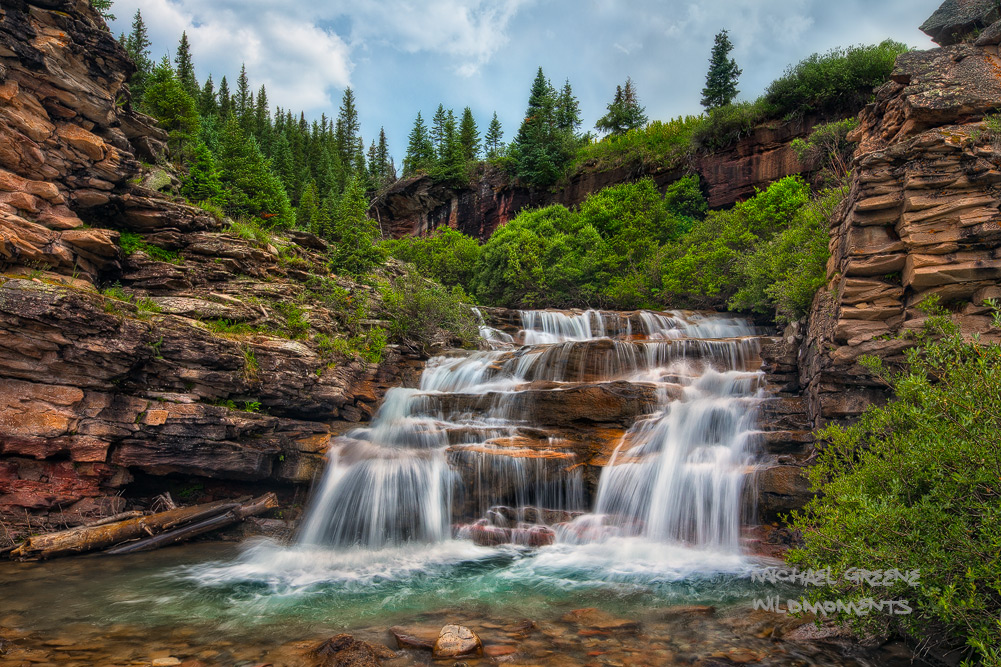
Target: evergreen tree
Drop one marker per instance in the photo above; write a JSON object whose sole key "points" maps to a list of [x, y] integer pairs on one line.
{"points": [[568, 110], [469, 136], [103, 7], [438, 123], [185, 67], [207, 105], [137, 46], [380, 164], [307, 215], [420, 150], [542, 149], [721, 80], [624, 112], [346, 131], [241, 100], [450, 166], [166, 100], [225, 101], [250, 187], [355, 234], [262, 119], [492, 141], [202, 182]]}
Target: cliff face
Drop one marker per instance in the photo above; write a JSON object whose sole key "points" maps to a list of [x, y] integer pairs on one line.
{"points": [[96, 388], [417, 205], [921, 219]]}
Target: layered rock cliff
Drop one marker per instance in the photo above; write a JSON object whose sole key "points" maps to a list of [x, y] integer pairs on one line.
{"points": [[921, 219], [196, 356], [417, 205]]}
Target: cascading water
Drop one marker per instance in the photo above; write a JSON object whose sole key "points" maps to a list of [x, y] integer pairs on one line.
{"points": [[462, 446]]}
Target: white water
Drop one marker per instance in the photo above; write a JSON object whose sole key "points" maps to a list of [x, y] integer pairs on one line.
{"points": [[457, 445]]}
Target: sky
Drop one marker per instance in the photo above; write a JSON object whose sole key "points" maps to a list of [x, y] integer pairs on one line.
{"points": [[405, 56]]}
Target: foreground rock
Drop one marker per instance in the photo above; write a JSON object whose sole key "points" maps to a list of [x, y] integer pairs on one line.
{"points": [[455, 641], [346, 651]]}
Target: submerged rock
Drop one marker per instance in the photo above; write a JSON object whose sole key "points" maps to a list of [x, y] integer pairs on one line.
{"points": [[346, 651], [455, 641]]}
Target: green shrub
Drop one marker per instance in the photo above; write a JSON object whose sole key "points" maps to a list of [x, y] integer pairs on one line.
{"points": [[296, 320], [724, 126], [445, 256], [916, 485], [827, 149], [783, 273], [666, 143], [131, 243], [250, 229], [222, 326], [598, 255], [426, 313], [839, 81]]}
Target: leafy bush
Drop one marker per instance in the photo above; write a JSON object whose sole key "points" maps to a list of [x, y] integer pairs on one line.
{"points": [[839, 81], [250, 229], [914, 485], [726, 125], [705, 268], [828, 149], [783, 273], [446, 255], [666, 143], [598, 255], [131, 242], [426, 313]]}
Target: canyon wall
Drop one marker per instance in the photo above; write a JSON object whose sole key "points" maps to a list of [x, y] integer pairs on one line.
{"points": [[921, 219], [188, 368], [417, 205]]}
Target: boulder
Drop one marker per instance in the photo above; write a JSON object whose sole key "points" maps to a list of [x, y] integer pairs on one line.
{"points": [[956, 21], [455, 641]]}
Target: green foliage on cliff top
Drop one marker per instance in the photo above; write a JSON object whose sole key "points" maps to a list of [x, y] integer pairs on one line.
{"points": [[628, 247], [916, 485], [446, 255]]}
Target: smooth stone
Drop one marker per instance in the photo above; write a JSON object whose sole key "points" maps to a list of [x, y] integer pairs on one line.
{"points": [[455, 641]]}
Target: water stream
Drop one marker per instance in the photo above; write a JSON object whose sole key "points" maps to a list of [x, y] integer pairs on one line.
{"points": [[499, 491]]}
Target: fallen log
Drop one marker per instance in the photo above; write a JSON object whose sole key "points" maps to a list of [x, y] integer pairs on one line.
{"points": [[266, 502], [115, 518], [91, 538]]}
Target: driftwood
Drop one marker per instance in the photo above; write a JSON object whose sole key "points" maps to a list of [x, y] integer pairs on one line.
{"points": [[115, 518], [91, 538], [266, 502]]}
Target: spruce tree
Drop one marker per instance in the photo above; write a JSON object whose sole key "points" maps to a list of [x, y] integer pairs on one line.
{"points": [[202, 182], [567, 110], [438, 129], [262, 119], [721, 80], [185, 67], [469, 136], [241, 100], [225, 100], [307, 215], [624, 112], [207, 105], [450, 166], [492, 141], [420, 151], [346, 131], [542, 149], [166, 100], [355, 234], [137, 46]]}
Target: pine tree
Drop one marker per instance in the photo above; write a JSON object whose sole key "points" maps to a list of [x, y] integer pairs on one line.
{"points": [[225, 101], [492, 141], [420, 151], [624, 112], [185, 67], [250, 187], [307, 215], [438, 129], [207, 105], [542, 149], [202, 182], [262, 119], [241, 100], [380, 164], [450, 166], [166, 100], [355, 234], [721, 80], [346, 130], [568, 110], [469, 136], [103, 7], [137, 46]]}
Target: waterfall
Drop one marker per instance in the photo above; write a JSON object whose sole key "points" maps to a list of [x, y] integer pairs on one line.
{"points": [[464, 450]]}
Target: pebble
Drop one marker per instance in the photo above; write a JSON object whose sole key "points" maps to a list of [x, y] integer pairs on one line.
{"points": [[166, 662]]}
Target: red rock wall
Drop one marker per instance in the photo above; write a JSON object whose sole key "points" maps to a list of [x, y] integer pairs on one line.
{"points": [[417, 205], [922, 219]]}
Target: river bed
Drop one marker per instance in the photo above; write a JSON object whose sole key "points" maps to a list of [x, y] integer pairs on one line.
{"points": [[629, 602]]}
